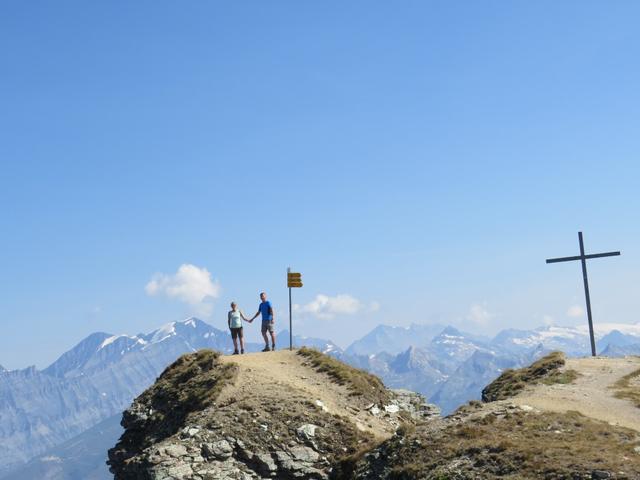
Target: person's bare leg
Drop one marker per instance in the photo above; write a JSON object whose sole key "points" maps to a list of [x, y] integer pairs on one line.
{"points": [[266, 339], [235, 344], [273, 340], [241, 342]]}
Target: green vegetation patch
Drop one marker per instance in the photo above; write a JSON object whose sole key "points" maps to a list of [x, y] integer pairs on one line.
{"points": [[628, 387], [510, 446], [359, 382], [545, 370]]}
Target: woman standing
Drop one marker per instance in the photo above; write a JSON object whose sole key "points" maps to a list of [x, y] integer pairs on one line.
{"points": [[234, 318]]}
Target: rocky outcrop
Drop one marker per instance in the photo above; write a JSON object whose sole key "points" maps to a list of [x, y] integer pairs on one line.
{"points": [[40, 410], [278, 431]]}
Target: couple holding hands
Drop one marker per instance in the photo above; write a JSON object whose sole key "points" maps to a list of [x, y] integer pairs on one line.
{"points": [[235, 318]]}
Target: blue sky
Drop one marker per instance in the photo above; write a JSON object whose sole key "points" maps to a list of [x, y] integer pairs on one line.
{"points": [[416, 161]]}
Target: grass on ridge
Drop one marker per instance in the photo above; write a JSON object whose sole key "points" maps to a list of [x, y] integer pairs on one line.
{"points": [[514, 446], [546, 370], [628, 387], [359, 382]]}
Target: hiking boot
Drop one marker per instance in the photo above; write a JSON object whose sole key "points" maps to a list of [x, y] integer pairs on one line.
{"points": [[242, 351], [235, 352], [266, 349], [273, 349]]}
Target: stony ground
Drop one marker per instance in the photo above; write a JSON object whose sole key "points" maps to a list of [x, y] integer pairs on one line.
{"points": [[296, 415], [577, 430], [283, 374], [278, 417]]}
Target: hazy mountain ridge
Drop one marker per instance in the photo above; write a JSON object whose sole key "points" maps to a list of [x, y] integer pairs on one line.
{"points": [[94, 380], [98, 378], [450, 367], [83, 457], [287, 415]]}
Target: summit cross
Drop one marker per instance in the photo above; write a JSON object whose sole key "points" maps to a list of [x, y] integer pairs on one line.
{"points": [[583, 259]]}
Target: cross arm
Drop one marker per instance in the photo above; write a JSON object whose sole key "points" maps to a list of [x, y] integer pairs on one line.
{"points": [[579, 257]]}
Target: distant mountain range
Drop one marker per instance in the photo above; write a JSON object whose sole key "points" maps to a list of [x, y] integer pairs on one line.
{"points": [[49, 417], [451, 367], [98, 378]]}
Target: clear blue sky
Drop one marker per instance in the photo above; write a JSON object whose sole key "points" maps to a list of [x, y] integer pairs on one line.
{"points": [[423, 158]]}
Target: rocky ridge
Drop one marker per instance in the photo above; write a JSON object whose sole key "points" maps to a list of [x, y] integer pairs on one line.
{"points": [[273, 415], [304, 415]]}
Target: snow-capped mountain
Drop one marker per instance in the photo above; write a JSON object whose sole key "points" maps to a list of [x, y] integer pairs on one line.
{"points": [[394, 340], [56, 409], [96, 379], [571, 340], [451, 367]]}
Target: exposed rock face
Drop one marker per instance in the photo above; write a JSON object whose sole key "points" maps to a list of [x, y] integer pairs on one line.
{"points": [[98, 378], [252, 426]]}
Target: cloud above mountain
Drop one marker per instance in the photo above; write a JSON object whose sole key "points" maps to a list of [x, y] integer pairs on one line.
{"points": [[190, 284], [479, 315], [326, 307], [575, 311]]}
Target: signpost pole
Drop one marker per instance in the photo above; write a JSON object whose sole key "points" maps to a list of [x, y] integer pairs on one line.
{"points": [[290, 318], [294, 280]]}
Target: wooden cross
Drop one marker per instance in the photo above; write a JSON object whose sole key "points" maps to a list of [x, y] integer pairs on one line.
{"points": [[583, 258]]}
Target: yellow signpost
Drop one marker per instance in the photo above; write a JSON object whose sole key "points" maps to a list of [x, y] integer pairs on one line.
{"points": [[294, 280]]}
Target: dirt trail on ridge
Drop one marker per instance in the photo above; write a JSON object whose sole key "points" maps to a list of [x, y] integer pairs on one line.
{"points": [[279, 374], [590, 394]]}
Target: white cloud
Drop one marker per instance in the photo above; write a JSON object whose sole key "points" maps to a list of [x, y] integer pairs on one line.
{"points": [[575, 311], [326, 307], [190, 284], [479, 315], [548, 320], [374, 306]]}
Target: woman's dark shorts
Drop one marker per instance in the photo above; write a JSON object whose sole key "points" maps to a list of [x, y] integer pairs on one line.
{"points": [[236, 332]]}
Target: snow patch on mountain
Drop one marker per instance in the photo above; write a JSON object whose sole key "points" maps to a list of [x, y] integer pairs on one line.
{"points": [[164, 332]]}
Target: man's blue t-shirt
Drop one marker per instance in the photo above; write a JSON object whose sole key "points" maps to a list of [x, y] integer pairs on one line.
{"points": [[265, 310]]}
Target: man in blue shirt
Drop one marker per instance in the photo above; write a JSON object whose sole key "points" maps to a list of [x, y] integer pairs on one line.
{"points": [[268, 318]]}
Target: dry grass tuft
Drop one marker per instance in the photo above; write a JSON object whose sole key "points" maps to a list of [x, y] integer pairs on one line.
{"points": [[545, 370], [359, 382], [514, 446], [628, 387], [188, 385]]}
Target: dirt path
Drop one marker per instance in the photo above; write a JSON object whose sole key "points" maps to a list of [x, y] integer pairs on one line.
{"points": [[285, 373], [589, 394]]}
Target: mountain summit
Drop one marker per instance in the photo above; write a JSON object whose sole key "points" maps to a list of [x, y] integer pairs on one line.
{"points": [[279, 414], [305, 415]]}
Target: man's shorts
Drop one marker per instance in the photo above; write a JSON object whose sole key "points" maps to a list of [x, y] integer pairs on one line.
{"points": [[236, 332], [267, 327]]}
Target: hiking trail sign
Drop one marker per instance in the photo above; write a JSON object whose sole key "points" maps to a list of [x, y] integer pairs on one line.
{"points": [[294, 280], [583, 259]]}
